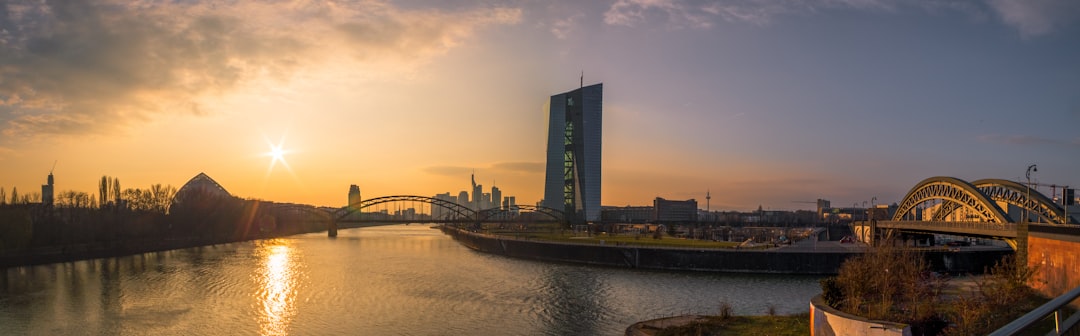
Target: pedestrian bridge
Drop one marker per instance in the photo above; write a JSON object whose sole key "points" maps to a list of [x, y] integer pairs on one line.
{"points": [[375, 211], [985, 205]]}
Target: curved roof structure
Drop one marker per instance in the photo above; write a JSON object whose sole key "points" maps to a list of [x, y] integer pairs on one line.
{"points": [[202, 184]]}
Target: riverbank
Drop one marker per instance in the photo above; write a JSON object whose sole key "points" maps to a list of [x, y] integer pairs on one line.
{"points": [[802, 258], [793, 325], [111, 249]]}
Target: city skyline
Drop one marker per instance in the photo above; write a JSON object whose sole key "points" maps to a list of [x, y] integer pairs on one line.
{"points": [[761, 102]]}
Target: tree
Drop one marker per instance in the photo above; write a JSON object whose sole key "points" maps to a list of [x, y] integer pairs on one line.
{"points": [[103, 190], [116, 190], [14, 195], [3, 196]]}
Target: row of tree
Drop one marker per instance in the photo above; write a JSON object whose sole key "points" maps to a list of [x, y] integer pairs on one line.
{"points": [[156, 198], [15, 198], [141, 218]]}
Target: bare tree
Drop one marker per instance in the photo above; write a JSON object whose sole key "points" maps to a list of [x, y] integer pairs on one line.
{"points": [[3, 196], [14, 195]]}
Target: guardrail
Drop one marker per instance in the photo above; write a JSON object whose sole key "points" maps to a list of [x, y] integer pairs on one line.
{"points": [[957, 225], [1054, 307]]}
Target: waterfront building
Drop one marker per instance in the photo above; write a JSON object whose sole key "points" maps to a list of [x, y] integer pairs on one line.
{"points": [[572, 181], [47, 192], [627, 214], [669, 211], [463, 199], [354, 195], [202, 183]]}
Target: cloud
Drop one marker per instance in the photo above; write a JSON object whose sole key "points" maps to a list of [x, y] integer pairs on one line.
{"points": [[519, 167], [1036, 17], [629, 12], [1030, 17], [1027, 140], [509, 168], [78, 67], [562, 28], [448, 170]]}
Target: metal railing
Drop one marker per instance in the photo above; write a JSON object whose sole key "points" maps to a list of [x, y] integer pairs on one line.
{"points": [[1054, 307]]}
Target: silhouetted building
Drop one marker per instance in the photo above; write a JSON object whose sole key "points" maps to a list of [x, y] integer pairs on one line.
{"points": [[668, 211], [496, 197], [354, 195], [627, 214], [463, 199], [47, 192], [572, 183], [204, 184], [477, 194]]}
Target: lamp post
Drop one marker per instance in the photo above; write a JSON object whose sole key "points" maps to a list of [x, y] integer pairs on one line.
{"points": [[1027, 199]]}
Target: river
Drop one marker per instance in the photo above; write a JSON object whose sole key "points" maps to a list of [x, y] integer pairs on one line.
{"points": [[389, 280]]}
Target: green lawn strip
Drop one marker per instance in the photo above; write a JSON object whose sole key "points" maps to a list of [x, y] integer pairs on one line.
{"points": [[625, 240], [744, 325]]}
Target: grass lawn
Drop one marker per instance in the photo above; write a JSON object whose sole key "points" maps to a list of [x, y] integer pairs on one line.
{"points": [[615, 239], [744, 325]]}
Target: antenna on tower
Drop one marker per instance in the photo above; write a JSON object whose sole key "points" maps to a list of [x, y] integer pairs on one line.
{"points": [[53, 167], [582, 83]]}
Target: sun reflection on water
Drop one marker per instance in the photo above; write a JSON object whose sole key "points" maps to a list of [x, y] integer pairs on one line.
{"points": [[277, 292]]}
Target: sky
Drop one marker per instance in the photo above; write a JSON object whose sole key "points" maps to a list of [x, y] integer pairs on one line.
{"points": [[768, 103]]}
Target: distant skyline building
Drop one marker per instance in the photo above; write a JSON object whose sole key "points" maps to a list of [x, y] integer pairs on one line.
{"points": [[47, 191], [477, 194], [496, 197], [354, 195], [572, 182]]}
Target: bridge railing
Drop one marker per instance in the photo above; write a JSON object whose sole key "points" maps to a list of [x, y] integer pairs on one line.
{"points": [[1054, 307], [955, 225]]}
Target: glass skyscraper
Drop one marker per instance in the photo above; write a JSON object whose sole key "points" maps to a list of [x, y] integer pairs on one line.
{"points": [[572, 183]]}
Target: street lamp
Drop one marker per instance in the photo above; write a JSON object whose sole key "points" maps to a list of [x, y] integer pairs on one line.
{"points": [[1027, 199]]}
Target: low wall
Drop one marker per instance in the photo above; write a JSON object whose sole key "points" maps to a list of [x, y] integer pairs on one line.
{"points": [[748, 261], [1055, 252], [826, 321]]}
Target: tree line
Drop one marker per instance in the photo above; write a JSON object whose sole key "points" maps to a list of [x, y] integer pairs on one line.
{"points": [[157, 217]]}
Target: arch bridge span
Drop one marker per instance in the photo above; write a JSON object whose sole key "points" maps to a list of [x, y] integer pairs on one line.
{"points": [[986, 206], [982, 201], [454, 213]]}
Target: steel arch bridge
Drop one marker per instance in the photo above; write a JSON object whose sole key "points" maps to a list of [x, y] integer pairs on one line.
{"points": [[980, 198], [461, 212], [503, 213]]}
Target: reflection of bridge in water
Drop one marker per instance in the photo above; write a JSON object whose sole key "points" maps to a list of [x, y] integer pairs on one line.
{"points": [[356, 215], [990, 208]]}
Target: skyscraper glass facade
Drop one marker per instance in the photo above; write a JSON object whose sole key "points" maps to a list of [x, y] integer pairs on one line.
{"points": [[572, 183]]}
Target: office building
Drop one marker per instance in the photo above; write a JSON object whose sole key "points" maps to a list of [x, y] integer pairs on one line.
{"points": [[669, 211], [572, 183]]}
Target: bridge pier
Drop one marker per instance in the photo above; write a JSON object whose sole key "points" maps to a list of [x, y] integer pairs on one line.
{"points": [[331, 229]]}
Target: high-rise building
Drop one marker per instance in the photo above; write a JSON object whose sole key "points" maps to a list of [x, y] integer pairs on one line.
{"points": [[463, 199], [572, 183], [496, 197], [477, 194], [354, 195], [47, 191]]}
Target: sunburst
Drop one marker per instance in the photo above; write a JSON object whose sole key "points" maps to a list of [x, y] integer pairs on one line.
{"points": [[277, 154]]}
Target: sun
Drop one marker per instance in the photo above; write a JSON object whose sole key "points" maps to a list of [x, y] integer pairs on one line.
{"points": [[277, 154]]}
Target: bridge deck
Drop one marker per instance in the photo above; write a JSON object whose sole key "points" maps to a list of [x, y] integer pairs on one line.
{"points": [[979, 229]]}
